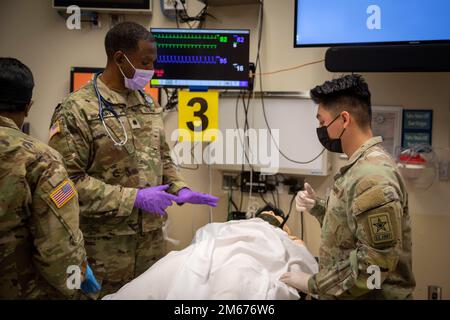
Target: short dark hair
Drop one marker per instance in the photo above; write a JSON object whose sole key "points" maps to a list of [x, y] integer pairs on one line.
{"points": [[125, 36], [347, 93], [16, 85]]}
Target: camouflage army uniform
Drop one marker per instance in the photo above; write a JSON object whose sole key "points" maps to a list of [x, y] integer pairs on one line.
{"points": [[123, 241], [39, 233], [365, 222]]}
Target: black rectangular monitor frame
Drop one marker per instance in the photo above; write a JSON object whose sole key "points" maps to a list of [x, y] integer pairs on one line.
{"points": [[124, 4], [201, 87]]}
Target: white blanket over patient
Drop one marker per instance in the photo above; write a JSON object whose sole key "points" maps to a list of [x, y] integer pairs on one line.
{"points": [[235, 260]]}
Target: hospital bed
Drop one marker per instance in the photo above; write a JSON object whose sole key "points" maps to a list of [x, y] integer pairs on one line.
{"points": [[241, 259]]}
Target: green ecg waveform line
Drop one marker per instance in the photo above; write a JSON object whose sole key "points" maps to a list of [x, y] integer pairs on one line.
{"points": [[186, 46]]}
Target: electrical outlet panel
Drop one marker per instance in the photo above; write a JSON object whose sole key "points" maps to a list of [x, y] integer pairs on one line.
{"points": [[443, 171], [257, 182], [434, 293], [230, 181]]}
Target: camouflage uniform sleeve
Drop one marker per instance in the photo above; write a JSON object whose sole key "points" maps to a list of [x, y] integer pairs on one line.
{"points": [[319, 210], [74, 142], [170, 174], [54, 223], [375, 206]]}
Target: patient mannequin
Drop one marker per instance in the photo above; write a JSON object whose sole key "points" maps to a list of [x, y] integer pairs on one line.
{"points": [[276, 221], [240, 259]]}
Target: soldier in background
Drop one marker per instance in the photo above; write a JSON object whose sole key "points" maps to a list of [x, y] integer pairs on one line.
{"points": [[365, 221], [120, 160], [39, 213]]}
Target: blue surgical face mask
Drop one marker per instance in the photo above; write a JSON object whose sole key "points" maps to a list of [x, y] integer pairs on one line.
{"points": [[140, 78]]}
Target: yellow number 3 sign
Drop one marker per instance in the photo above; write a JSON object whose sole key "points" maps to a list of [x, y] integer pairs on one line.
{"points": [[198, 115]]}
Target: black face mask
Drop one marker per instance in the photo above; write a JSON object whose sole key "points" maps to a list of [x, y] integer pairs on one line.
{"points": [[333, 145]]}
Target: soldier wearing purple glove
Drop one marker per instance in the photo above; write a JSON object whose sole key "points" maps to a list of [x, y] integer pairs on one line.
{"points": [[186, 195], [154, 199], [120, 216]]}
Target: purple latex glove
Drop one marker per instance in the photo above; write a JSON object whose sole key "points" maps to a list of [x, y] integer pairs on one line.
{"points": [[154, 199], [186, 195]]}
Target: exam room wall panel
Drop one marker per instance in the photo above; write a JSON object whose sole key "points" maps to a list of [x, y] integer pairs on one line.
{"points": [[33, 32]]}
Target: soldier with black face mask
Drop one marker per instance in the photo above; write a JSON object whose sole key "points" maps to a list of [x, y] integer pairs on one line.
{"points": [[365, 250]]}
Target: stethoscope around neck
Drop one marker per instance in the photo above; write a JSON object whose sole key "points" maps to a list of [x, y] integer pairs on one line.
{"points": [[104, 106]]}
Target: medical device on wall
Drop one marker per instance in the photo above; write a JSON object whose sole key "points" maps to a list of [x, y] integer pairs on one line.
{"points": [[202, 58], [111, 6], [418, 165], [291, 115], [173, 8]]}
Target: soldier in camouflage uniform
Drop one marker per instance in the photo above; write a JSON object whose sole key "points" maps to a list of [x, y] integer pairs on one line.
{"points": [[365, 220], [39, 214], [120, 223]]}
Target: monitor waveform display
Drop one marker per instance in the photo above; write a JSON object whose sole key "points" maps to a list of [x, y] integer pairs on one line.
{"points": [[192, 59], [211, 58], [186, 46]]}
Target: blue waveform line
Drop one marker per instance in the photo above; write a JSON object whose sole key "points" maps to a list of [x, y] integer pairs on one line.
{"points": [[192, 59]]}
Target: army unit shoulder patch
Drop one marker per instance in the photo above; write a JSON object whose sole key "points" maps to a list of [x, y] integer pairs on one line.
{"points": [[381, 228], [63, 193]]}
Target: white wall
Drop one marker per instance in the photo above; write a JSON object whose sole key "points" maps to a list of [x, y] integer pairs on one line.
{"points": [[33, 32]]}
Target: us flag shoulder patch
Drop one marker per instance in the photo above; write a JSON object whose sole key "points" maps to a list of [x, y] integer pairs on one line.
{"points": [[54, 130], [63, 193]]}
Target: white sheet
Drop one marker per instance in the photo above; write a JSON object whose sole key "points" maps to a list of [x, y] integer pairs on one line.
{"points": [[235, 260]]}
